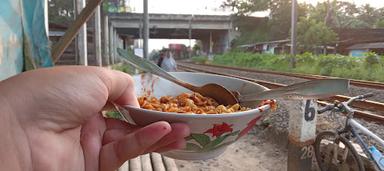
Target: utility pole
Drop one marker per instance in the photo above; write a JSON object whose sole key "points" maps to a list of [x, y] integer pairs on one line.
{"points": [[302, 120], [146, 29], [293, 33], [190, 37]]}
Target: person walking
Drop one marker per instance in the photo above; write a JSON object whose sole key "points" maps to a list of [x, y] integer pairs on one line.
{"points": [[169, 63]]}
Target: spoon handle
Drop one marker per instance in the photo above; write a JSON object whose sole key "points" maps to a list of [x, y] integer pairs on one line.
{"points": [[150, 67], [314, 89]]}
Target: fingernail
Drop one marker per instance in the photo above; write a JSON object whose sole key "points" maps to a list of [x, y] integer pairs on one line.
{"points": [[153, 133], [183, 128]]}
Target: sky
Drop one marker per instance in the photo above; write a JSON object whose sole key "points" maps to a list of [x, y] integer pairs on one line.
{"points": [[210, 6], [207, 7]]}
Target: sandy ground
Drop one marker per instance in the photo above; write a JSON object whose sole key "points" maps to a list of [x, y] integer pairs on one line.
{"points": [[249, 153]]}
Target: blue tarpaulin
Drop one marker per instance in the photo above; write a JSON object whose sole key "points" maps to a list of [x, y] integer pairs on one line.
{"points": [[24, 42]]}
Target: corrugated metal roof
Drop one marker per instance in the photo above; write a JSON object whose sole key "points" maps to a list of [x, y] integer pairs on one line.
{"points": [[377, 45], [267, 42]]}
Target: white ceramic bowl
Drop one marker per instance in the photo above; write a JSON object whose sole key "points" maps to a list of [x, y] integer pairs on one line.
{"points": [[211, 134]]}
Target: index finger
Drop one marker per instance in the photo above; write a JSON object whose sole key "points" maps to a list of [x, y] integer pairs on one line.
{"points": [[121, 89]]}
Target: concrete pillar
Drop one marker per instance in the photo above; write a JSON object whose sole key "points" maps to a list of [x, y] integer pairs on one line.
{"points": [[210, 43], [302, 132], [114, 46], [97, 38], [106, 40], [222, 42], [227, 41], [82, 36], [205, 45], [110, 43]]}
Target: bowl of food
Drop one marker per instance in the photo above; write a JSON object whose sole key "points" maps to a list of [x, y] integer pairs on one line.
{"points": [[213, 126]]}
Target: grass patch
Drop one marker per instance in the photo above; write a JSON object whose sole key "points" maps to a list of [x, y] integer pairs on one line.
{"points": [[200, 59], [370, 67], [123, 67]]}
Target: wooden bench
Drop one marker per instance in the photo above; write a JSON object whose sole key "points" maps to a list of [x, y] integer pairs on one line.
{"points": [[149, 162]]}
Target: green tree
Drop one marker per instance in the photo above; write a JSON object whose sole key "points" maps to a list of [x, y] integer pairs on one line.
{"points": [[368, 15], [312, 34], [252, 30], [379, 23], [60, 12], [279, 21], [336, 14], [246, 7], [341, 14], [115, 6]]}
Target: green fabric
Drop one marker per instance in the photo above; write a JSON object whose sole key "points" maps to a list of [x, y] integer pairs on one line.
{"points": [[11, 40], [36, 42], [23, 37]]}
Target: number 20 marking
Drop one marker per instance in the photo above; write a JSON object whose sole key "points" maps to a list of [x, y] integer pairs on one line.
{"points": [[307, 152]]}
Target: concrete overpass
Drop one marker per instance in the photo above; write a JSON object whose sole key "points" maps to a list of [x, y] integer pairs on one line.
{"points": [[218, 29]]}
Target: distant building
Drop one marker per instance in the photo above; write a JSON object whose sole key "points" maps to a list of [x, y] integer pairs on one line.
{"points": [[355, 42], [282, 47], [272, 47], [179, 51], [358, 50]]}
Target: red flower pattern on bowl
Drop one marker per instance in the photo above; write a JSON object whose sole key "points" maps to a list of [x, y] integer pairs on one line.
{"points": [[219, 129], [249, 126]]}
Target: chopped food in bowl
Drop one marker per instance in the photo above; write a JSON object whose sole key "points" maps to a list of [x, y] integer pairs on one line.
{"points": [[188, 103], [213, 126]]}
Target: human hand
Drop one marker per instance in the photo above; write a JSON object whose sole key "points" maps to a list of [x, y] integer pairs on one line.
{"points": [[50, 120]]}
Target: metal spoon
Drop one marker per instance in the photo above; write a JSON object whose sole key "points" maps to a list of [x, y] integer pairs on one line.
{"points": [[215, 91], [306, 90], [314, 89]]}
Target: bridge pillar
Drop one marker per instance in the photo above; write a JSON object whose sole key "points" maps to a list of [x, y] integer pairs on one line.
{"points": [[221, 42], [227, 41], [205, 45]]}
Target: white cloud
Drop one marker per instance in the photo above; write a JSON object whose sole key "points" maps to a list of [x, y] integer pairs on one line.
{"points": [[374, 3], [211, 7]]}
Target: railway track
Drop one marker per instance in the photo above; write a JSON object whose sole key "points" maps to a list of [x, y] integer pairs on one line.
{"points": [[363, 106], [359, 83]]}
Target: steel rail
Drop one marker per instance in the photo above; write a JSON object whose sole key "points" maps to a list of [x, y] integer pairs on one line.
{"points": [[366, 105], [359, 83]]}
